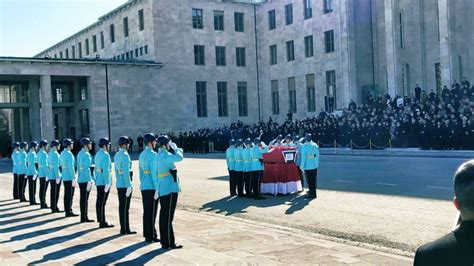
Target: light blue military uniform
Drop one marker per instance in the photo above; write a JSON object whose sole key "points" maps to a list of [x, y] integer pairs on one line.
{"points": [[67, 165], [103, 168], [31, 161], [122, 169], [229, 156], [21, 162], [148, 164], [42, 158], [239, 163], [309, 156], [53, 163], [247, 159], [166, 160], [256, 154], [84, 162], [15, 162], [298, 154]]}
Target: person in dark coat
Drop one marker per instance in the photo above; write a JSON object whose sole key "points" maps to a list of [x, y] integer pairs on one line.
{"points": [[417, 93]]}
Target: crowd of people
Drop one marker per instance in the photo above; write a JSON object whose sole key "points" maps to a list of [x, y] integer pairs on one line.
{"points": [[426, 120]]}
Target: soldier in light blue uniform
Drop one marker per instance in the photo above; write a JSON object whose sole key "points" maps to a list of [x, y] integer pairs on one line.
{"points": [[54, 175], [43, 168], [16, 187], [21, 169], [103, 181], [256, 166], [148, 167], [310, 164], [68, 172], [32, 172], [239, 168], [124, 184], [247, 169], [168, 189], [229, 156], [85, 177]]}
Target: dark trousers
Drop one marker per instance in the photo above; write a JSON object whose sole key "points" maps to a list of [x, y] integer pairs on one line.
{"points": [[102, 197], [311, 178], [84, 201], [150, 210], [301, 177], [68, 196], [22, 186], [42, 192], [54, 195], [124, 207], [256, 180], [239, 180], [168, 206], [232, 183], [247, 184], [16, 192], [31, 190]]}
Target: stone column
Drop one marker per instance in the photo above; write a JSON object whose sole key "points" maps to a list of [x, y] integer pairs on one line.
{"points": [[444, 43], [390, 48], [47, 125], [35, 122]]}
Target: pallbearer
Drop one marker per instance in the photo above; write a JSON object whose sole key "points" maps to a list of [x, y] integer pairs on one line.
{"points": [[124, 184], [230, 159], [16, 187], [247, 169], [54, 175], [103, 170], [239, 168], [43, 172], [168, 189], [21, 169], [68, 173], [309, 164], [85, 177], [32, 172], [257, 152]]}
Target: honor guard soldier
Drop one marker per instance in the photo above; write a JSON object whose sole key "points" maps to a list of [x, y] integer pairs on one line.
{"points": [[22, 168], [168, 189], [299, 144], [32, 172], [16, 187], [239, 168], [103, 169], [68, 173], [85, 177], [124, 184], [256, 166], [310, 164], [148, 167], [54, 175], [43, 168], [247, 171], [230, 159]]}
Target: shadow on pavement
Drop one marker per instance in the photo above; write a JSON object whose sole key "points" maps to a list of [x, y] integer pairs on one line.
{"points": [[38, 233], [145, 258], [28, 225], [14, 208], [7, 200], [66, 252], [16, 220], [111, 257], [11, 203]]}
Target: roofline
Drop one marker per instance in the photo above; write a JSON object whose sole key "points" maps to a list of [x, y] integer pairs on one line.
{"points": [[94, 61]]}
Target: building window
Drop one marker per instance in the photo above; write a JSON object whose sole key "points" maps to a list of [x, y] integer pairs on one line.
{"points": [[80, 50], [61, 54], [73, 50], [102, 41], [242, 98], [83, 90], [220, 56], [275, 97], [112, 33], [271, 19], [218, 20], [240, 56], [290, 51], [273, 55], [94, 43], [55, 56], [239, 21], [67, 53], [308, 46], [197, 18], [136, 52], [329, 41], [289, 14], [331, 86], [141, 50], [292, 95], [87, 46], [141, 20], [201, 99], [401, 29], [327, 6], [310, 93], [222, 98], [308, 9], [84, 120], [125, 26], [199, 58], [146, 49]]}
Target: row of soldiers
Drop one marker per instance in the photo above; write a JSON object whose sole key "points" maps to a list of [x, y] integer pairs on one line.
{"points": [[158, 180]]}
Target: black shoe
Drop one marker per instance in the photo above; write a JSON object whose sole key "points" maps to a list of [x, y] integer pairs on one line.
{"points": [[106, 225], [33, 203], [44, 207], [175, 246], [134, 233], [71, 215], [56, 211], [310, 197], [87, 221], [259, 198], [151, 240]]}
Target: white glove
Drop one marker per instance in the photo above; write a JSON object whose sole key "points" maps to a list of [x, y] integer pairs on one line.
{"points": [[74, 182], [107, 188], [173, 145], [89, 186], [35, 177], [157, 195], [58, 181], [26, 177], [129, 192]]}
